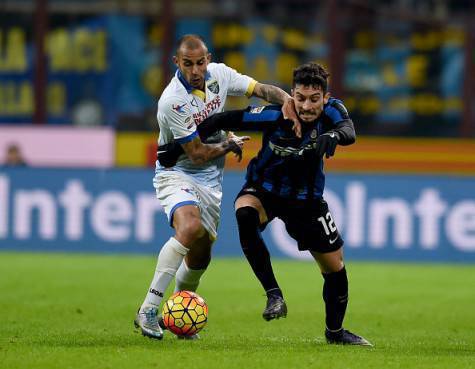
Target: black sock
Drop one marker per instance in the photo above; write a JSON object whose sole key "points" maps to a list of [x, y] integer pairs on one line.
{"points": [[335, 295], [255, 249]]}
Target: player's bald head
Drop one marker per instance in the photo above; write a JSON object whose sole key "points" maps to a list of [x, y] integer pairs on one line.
{"points": [[190, 42]]}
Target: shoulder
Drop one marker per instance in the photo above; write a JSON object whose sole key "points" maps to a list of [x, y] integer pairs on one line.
{"points": [[217, 67], [174, 88], [173, 94], [336, 110], [220, 69], [173, 104]]}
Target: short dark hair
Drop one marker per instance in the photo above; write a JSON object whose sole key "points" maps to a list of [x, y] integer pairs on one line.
{"points": [[311, 74], [191, 41]]}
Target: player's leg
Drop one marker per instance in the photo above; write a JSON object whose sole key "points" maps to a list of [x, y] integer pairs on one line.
{"points": [[335, 287], [250, 214], [191, 269], [188, 229], [197, 260], [335, 295], [194, 265], [314, 229], [180, 201], [187, 224]]}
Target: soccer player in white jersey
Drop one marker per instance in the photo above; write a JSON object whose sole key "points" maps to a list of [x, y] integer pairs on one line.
{"points": [[190, 192]]}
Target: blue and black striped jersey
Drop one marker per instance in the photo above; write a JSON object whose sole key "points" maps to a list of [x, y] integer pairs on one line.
{"points": [[287, 165]]}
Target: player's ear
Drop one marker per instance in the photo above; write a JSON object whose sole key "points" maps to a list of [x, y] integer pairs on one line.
{"points": [[175, 60], [326, 97], [208, 57], [292, 92]]}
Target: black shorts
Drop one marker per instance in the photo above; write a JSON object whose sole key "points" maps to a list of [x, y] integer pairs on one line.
{"points": [[309, 222]]}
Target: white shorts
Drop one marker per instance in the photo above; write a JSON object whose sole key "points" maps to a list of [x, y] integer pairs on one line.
{"points": [[175, 189]]}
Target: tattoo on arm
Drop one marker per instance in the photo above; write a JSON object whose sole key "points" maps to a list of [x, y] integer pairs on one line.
{"points": [[272, 94], [200, 153]]}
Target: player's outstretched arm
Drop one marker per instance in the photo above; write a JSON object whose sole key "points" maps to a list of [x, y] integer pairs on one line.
{"points": [[250, 119], [200, 153], [168, 154], [344, 134], [276, 95]]}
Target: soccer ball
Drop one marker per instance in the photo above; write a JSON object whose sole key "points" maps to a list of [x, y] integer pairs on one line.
{"points": [[185, 313]]}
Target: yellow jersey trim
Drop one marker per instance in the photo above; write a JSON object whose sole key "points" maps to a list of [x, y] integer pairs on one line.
{"points": [[250, 88], [199, 93]]}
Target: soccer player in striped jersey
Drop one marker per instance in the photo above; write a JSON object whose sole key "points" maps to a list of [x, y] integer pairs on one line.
{"points": [[286, 180]]}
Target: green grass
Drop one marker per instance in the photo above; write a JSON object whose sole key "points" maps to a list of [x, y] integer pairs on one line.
{"points": [[76, 311]]}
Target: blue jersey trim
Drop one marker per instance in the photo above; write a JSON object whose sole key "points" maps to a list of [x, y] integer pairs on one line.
{"points": [[186, 139], [185, 83], [179, 205], [265, 115], [335, 114]]}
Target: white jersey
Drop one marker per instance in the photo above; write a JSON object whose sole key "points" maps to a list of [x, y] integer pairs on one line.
{"points": [[181, 108]]}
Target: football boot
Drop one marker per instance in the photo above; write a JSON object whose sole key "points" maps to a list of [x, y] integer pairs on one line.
{"points": [[345, 337], [147, 321]]}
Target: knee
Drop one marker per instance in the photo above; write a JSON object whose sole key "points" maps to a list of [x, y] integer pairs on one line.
{"points": [[190, 231], [248, 226], [247, 216]]}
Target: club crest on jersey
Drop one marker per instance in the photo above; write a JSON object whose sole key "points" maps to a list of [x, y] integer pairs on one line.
{"points": [[257, 109], [313, 134], [213, 86], [178, 108]]}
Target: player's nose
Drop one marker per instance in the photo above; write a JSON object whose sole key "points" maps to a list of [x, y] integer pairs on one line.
{"points": [[307, 105], [195, 70]]}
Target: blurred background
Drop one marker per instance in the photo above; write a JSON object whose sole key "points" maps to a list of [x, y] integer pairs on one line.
{"points": [[79, 83]]}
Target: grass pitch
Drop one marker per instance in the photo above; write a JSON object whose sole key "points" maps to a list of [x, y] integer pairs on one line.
{"points": [[76, 311]]}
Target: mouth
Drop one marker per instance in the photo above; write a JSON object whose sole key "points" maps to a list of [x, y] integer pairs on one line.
{"points": [[307, 116]]}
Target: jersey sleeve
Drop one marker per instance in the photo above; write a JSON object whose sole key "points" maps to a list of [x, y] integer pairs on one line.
{"points": [[177, 116], [336, 111], [339, 121], [238, 84]]}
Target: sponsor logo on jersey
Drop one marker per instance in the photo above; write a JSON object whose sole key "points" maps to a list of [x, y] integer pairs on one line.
{"points": [[284, 151], [257, 109], [209, 107], [213, 86], [178, 108]]}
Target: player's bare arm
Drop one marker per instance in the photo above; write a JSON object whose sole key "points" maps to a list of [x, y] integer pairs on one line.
{"points": [[276, 95], [200, 153]]}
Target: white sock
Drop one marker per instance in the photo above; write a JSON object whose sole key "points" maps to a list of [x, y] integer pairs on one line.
{"points": [[187, 279], [170, 257]]}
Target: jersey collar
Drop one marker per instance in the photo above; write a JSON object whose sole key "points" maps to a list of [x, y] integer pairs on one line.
{"points": [[189, 88]]}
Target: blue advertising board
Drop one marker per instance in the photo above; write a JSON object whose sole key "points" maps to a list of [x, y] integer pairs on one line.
{"points": [[381, 217]]}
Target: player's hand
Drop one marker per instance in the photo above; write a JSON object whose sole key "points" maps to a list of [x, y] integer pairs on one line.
{"points": [[236, 144], [326, 144], [289, 112]]}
